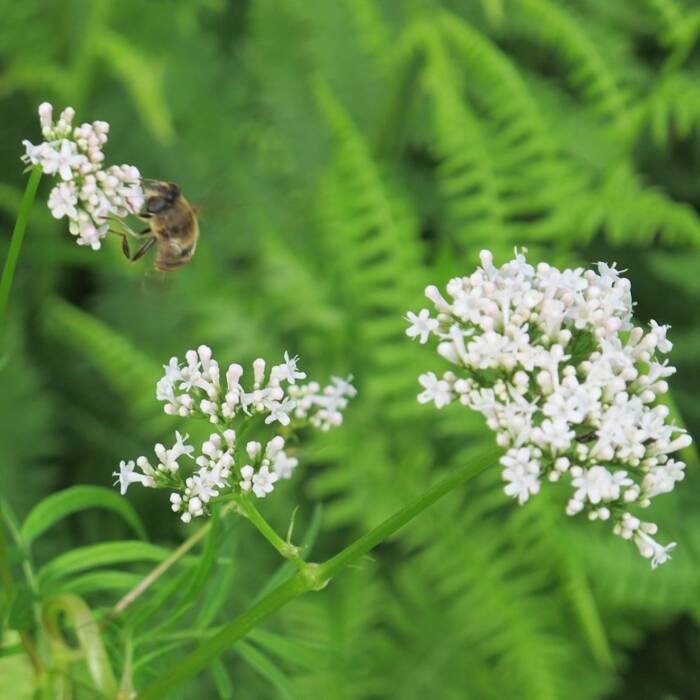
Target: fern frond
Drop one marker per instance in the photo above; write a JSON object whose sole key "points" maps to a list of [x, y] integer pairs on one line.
{"points": [[671, 20], [372, 30], [27, 428], [501, 583], [672, 109], [129, 372], [343, 625], [589, 70], [535, 177], [376, 249], [374, 253], [467, 173], [628, 211]]}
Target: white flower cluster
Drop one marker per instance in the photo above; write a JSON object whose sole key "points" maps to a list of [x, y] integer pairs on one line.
{"points": [[86, 193], [551, 359], [194, 389], [216, 463]]}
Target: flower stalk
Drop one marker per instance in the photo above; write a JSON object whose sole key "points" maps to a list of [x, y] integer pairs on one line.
{"points": [[16, 241], [284, 547]]}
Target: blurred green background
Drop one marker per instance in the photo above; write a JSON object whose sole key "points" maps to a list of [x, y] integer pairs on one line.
{"points": [[343, 154]]}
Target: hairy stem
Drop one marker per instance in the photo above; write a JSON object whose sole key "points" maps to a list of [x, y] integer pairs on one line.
{"points": [[8, 272], [310, 577]]}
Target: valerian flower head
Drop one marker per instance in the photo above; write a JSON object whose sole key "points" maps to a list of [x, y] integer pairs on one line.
{"points": [[224, 467], [567, 382], [87, 194]]}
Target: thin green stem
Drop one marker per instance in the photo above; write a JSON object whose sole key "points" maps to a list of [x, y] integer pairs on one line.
{"points": [[164, 566], [382, 532], [8, 272], [286, 549], [311, 577], [6, 578], [8, 583], [229, 634], [27, 568]]}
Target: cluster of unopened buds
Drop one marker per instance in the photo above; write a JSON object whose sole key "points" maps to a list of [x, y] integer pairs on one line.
{"points": [[88, 194], [228, 467], [569, 385]]}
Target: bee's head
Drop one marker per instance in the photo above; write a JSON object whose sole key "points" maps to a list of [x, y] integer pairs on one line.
{"points": [[160, 196]]}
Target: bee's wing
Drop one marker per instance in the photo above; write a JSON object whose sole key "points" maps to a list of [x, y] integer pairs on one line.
{"points": [[152, 183]]}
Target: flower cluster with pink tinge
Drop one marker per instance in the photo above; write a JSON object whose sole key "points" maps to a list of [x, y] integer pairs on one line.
{"points": [[87, 194], [569, 385], [227, 467]]}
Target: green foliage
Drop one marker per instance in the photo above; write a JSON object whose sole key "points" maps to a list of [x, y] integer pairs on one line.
{"points": [[344, 155], [77, 498]]}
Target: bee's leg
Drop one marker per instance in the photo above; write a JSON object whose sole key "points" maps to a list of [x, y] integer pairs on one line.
{"points": [[138, 234], [143, 249], [125, 242], [125, 246], [125, 228]]}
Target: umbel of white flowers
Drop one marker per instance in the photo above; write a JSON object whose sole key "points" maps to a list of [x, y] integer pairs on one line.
{"points": [[566, 381], [226, 466], [86, 193]]}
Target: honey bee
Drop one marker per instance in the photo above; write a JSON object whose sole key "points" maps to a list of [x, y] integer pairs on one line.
{"points": [[172, 226]]}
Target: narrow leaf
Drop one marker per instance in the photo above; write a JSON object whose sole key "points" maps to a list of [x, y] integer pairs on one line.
{"points": [[107, 580], [88, 633], [58, 505], [101, 555], [296, 651], [221, 679], [266, 668]]}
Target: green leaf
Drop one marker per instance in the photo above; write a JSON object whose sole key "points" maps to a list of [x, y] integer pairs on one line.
{"points": [[106, 580], [129, 371], [148, 658], [157, 602], [21, 614], [201, 574], [267, 669], [296, 651], [221, 679], [88, 557], [216, 598], [16, 675], [89, 638], [58, 505], [11, 650]]}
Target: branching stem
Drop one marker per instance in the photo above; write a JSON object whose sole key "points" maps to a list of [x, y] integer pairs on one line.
{"points": [[309, 577], [286, 549]]}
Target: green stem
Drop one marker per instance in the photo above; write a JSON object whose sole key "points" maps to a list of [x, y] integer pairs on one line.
{"points": [[8, 583], [311, 577], [286, 549], [6, 577], [367, 542], [8, 272]]}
